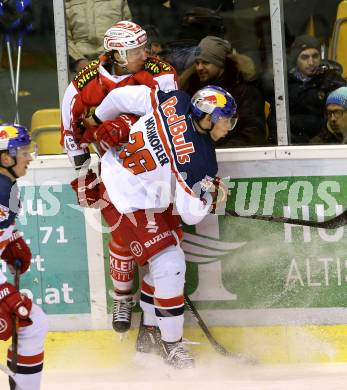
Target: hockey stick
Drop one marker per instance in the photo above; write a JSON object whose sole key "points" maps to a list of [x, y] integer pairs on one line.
{"points": [[12, 377], [215, 344], [8, 372], [14, 345], [333, 223]]}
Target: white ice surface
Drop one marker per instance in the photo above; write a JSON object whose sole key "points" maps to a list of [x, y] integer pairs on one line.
{"points": [[149, 373]]}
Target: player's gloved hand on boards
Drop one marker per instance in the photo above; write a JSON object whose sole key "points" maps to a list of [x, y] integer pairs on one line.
{"points": [[110, 133], [87, 189], [17, 249], [12, 302], [215, 190]]}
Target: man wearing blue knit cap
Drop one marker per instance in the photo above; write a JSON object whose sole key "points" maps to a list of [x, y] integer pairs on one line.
{"points": [[336, 113]]}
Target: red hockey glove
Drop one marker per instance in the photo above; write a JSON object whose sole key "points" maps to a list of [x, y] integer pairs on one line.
{"points": [[217, 189], [87, 189], [17, 250], [110, 133], [12, 302]]}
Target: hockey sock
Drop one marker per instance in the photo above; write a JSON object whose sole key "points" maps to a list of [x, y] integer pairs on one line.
{"points": [[121, 269], [169, 313], [29, 370], [147, 305], [168, 272]]}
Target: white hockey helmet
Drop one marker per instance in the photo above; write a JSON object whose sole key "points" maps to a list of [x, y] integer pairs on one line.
{"points": [[123, 36]]}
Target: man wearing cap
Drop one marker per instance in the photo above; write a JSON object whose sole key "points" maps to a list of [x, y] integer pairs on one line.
{"points": [[86, 22], [215, 64], [309, 84], [335, 131]]}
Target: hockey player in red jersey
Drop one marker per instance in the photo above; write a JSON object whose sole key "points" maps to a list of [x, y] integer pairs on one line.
{"points": [[31, 322], [169, 159], [125, 63]]}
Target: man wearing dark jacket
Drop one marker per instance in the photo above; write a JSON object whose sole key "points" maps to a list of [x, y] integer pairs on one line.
{"points": [[214, 64], [309, 84]]}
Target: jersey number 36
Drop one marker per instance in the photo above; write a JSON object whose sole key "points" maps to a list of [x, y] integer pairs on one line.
{"points": [[137, 160]]}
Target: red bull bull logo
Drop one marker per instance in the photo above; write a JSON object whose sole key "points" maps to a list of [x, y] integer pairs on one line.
{"points": [[8, 132], [211, 99], [217, 100]]}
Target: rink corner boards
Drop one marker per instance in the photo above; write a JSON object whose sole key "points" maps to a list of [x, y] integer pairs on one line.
{"points": [[268, 344]]}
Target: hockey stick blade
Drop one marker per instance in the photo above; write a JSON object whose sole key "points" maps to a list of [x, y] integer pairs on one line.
{"points": [[215, 344], [333, 223]]}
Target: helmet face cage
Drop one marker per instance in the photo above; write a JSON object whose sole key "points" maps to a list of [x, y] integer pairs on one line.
{"points": [[13, 137], [215, 101], [123, 36]]}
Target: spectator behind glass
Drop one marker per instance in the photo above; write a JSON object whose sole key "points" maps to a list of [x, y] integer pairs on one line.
{"points": [[87, 22], [195, 24], [335, 131], [216, 65], [309, 83], [157, 13], [155, 46]]}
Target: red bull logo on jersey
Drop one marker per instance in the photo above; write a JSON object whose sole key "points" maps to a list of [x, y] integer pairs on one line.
{"points": [[177, 126]]}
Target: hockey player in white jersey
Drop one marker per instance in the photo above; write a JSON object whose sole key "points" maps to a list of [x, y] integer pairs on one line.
{"points": [[125, 62], [15, 156], [170, 158]]}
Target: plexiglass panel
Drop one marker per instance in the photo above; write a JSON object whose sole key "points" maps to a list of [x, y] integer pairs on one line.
{"points": [[28, 71], [312, 74], [236, 55]]}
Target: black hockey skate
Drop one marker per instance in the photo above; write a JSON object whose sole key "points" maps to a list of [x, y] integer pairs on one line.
{"points": [[176, 355], [149, 339], [122, 310]]}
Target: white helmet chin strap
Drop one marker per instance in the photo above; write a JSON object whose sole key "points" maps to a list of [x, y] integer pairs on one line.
{"points": [[123, 56]]}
